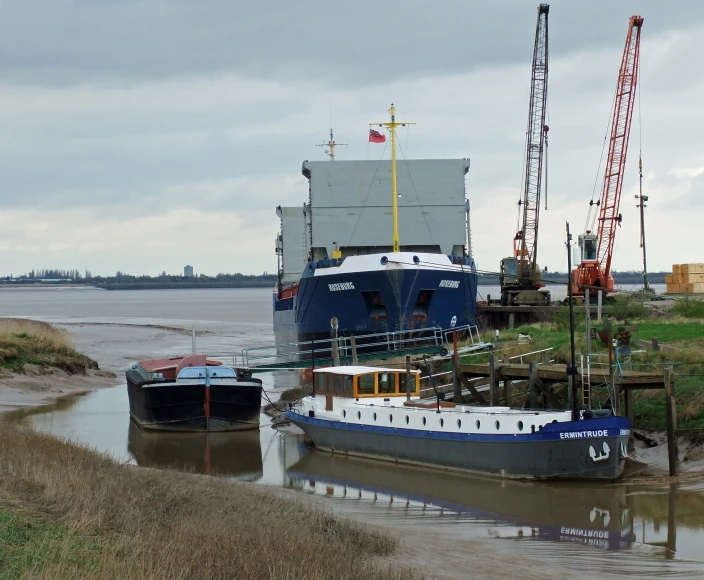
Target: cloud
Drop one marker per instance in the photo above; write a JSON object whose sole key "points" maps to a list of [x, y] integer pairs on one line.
{"points": [[120, 118]]}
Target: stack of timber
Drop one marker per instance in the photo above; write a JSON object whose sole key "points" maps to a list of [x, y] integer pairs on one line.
{"points": [[685, 279]]}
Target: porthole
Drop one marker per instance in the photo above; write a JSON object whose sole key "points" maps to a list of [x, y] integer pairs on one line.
{"points": [[391, 418], [423, 421], [479, 423], [359, 415], [520, 425], [498, 425], [459, 423], [406, 419], [442, 422], [344, 413], [375, 416]]}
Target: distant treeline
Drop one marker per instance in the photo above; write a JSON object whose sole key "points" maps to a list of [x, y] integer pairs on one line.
{"points": [[620, 278], [122, 281]]}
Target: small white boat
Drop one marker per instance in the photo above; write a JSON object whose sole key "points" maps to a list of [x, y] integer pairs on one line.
{"points": [[366, 411]]}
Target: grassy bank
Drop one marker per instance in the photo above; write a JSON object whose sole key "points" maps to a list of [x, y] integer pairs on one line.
{"points": [[29, 342], [68, 512], [685, 336]]}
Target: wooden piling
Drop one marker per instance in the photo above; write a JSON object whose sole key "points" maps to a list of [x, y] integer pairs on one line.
{"points": [[456, 370], [335, 353], [353, 345], [671, 412], [531, 383], [492, 380]]}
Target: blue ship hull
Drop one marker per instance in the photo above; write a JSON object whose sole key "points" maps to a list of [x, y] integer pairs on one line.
{"points": [[377, 301]]}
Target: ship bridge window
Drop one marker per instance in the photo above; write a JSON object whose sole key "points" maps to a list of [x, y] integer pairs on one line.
{"points": [[339, 385], [365, 384], [402, 384], [387, 383], [320, 383]]}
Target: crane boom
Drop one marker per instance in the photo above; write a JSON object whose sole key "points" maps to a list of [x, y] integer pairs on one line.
{"points": [[597, 251], [609, 216], [536, 135], [520, 273]]}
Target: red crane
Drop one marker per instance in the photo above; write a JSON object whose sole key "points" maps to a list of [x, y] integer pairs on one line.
{"points": [[594, 271]]}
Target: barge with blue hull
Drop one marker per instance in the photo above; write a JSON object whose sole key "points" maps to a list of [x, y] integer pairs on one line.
{"points": [[365, 411], [376, 250]]}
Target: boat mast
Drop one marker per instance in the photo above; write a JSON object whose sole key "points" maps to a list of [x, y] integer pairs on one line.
{"points": [[331, 147], [391, 126]]}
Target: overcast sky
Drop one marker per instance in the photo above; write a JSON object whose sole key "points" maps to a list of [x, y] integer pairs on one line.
{"points": [[143, 135]]}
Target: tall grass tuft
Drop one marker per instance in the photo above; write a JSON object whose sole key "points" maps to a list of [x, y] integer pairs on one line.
{"points": [[33, 342], [159, 524], [689, 307]]}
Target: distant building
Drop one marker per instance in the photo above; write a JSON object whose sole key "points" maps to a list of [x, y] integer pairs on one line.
{"points": [[188, 271]]}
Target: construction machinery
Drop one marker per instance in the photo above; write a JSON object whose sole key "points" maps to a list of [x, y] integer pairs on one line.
{"points": [[520, 274], [594, 271]]}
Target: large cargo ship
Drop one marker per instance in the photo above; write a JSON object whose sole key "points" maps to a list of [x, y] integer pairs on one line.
{"points": [[376, 250]]}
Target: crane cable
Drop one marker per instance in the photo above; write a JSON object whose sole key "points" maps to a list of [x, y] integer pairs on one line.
{"points": [[589, 224]]}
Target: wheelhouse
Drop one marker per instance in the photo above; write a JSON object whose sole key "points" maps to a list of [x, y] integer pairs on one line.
{"points": [[359, 382]]}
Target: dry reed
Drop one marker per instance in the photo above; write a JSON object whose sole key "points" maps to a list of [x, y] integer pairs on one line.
{"points": [[158, 524]]}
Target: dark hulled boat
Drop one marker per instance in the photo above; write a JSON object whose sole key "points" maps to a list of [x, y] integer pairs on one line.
{"points": [[193, 394]]}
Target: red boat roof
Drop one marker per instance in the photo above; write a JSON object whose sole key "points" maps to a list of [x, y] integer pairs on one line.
{"points": [[165, 364]]}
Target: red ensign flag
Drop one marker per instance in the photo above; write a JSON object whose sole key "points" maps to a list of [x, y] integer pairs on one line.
{"points": [[376, 137]]}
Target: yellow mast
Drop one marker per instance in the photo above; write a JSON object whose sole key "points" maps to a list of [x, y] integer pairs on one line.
{"points": [[391, 126], [331, 146]]}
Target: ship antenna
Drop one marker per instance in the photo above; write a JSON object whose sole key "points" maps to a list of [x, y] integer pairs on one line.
{"points": [[330, 152], [391, 126]]}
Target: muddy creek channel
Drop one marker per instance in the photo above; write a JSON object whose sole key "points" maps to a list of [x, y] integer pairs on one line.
{"points": [[575, 530]]}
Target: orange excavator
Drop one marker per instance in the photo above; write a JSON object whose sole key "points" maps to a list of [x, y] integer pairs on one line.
{"points": [[594, 271]]}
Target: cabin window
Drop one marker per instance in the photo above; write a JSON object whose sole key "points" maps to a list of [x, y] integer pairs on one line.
{"points": [[329, 384], [387, 383], [320, 383], [365, 385], [339, 385], [348, 386], [402, 383]]}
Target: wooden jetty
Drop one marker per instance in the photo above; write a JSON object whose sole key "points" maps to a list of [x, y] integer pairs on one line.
{"points": [[540, 379]]}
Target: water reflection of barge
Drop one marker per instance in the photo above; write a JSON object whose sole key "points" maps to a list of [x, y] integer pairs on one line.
{"points": [[593, 515], [230, 454]]}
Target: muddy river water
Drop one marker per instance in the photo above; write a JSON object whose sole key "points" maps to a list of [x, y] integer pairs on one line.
{"points": [[577, 530]]}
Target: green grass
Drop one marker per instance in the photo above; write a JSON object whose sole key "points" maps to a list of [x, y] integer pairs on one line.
{"points": [[668, 332], [689, 307], [28, 545]]}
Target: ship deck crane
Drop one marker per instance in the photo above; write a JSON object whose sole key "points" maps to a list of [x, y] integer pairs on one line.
{"points": [[520, 274], [594, 271]]}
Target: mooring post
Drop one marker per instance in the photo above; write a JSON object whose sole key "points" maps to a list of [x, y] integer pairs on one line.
{"points": [[599, 302], [656, 344], [408, 378], [353, 344], [492, 380], [312, 354], [335, 353], [671, 411], [456, 370], [512, 320], [531, 383], [193, 340]]}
